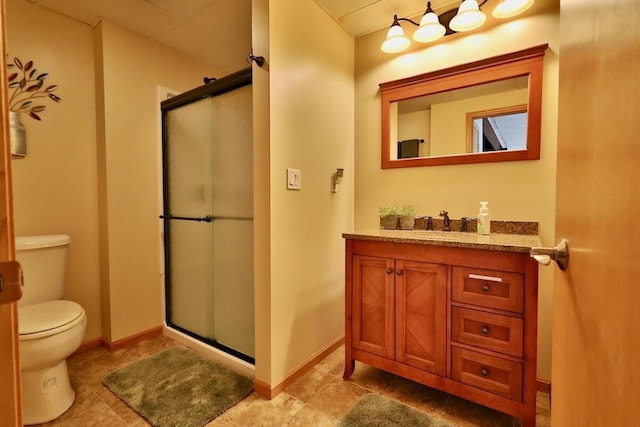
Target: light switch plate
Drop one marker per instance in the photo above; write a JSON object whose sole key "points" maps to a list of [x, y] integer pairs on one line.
{"points": [[294, 177]]}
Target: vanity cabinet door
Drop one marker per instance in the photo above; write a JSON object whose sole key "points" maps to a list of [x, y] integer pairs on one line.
{"points": [[421, 297], [373, 305]]}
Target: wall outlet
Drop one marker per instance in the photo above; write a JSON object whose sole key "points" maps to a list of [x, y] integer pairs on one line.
{"points": [[294, 177]]}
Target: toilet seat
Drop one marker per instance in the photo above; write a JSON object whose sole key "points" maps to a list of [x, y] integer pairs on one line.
{"points": [[48, 318]]}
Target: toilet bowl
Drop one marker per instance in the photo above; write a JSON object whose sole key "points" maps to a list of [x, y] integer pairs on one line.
{"points": [[50, 328]]}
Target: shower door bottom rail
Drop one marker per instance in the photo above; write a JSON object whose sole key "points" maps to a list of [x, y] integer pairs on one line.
{"points": [[214, 343]]}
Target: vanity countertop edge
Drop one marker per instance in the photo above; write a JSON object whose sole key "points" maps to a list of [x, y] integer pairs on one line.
{"points": [[494, 242]]}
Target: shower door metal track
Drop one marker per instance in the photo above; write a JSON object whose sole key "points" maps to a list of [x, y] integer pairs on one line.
{"points": [[216, 87]]}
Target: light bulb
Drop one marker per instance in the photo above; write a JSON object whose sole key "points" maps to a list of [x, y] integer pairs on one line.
{"points": [[469, 17], [430, 28], [509, 8], [396, 40]]}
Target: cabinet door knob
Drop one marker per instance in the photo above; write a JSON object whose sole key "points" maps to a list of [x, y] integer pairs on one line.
{"points": [[484, 372], [486, 287], [399, 272], [485, 330], [389, 270]]}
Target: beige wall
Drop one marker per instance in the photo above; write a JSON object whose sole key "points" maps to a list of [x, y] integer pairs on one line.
{"points": [[131, 68], [57, 187], [261, 192], [311, 124], [522, 190]]}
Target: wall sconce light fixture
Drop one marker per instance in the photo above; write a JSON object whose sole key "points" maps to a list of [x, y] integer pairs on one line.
{"points": [[336, 179], [465, 18]]}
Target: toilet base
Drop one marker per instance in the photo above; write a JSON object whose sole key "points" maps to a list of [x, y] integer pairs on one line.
{"points": [[46, 393]]}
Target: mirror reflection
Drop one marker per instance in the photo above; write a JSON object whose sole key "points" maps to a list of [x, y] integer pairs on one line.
{"points": [[476, 119], [479, 112]]}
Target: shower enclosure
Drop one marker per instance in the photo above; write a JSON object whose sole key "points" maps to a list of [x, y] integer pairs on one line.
{"points": [[208, 213]]}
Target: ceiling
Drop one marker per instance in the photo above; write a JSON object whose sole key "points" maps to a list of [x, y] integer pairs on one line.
{"points": [[194, 27]]}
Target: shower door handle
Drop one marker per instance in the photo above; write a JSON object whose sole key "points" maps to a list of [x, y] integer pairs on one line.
{"points": [[207, 218]]}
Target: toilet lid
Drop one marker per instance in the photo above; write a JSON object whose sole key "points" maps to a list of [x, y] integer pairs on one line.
{"points": [[45, 316]]}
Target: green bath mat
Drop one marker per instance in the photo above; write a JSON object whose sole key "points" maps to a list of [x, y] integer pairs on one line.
{"points": [[375, 410], [178, 387]]}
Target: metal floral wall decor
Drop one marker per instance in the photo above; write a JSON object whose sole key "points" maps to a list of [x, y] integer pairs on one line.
{"points": [[27, 90]]}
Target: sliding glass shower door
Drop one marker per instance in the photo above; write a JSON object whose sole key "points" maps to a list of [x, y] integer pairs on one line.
{"points": [[208, 214]]}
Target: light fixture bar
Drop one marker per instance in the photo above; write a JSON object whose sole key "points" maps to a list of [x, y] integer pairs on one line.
{"points": [[432, 27]]}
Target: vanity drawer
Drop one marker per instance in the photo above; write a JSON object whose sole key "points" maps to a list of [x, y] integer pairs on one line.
{"points": [[489, 331], [488, 288], [493, 374]]}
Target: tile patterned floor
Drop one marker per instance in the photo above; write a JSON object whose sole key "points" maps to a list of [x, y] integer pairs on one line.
{"points": [[319, 398]]}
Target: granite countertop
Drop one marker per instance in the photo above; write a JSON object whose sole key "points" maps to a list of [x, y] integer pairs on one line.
{"points": [[494, 241]]}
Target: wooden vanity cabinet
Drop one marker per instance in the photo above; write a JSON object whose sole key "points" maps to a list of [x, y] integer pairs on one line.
{"points": [[457, 319], [401, 307]]}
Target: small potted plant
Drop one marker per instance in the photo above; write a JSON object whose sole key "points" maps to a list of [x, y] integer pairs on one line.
{"points": [[407, 217], [389, 217]]}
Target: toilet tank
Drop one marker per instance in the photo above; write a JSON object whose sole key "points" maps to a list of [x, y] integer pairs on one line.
{"points": [[43, 260]]}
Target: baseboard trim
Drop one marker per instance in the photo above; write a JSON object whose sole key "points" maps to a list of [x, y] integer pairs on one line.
{"points": [[269, 392], [543, 385], [89, 345], [133, 339]]}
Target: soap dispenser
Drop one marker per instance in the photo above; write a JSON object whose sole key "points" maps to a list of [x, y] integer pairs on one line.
{"points": [[484, 223]]}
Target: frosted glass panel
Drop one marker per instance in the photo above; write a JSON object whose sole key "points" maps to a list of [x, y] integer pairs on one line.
{"points": [[192, 277], [189, 170], [209, 172], [233, 275], [190, 167], [232, 154]]}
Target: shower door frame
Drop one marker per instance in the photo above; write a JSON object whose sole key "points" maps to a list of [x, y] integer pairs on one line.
{"points": [[218, 87]]}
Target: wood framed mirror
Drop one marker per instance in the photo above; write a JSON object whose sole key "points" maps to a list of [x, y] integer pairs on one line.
{"points": [[483, 111]]}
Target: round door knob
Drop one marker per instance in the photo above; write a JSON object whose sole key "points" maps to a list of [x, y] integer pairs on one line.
{"points": [[486, 287], [485, 330], [399, 272], [484, 372], [389, 270]]}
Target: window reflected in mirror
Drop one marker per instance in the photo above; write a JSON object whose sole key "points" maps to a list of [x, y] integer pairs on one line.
{"points": [[497, 129]]}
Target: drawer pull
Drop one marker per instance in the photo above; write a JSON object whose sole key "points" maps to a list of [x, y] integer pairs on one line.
{"points": [[399, 272], [484, 372], [485, 330], [482, 277], [389, 270], [486, 287]]}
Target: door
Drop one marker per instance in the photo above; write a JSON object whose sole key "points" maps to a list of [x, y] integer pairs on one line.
{"points": [[208, 213], [373, 299], [421, 301], [10, 403], [596, 317]]}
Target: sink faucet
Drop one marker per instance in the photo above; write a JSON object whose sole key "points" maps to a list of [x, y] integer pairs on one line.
{"points": [[463, 223], [447, 222]]}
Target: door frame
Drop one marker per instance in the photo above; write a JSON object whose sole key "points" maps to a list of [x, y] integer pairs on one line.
{"points": [[10, 388]]}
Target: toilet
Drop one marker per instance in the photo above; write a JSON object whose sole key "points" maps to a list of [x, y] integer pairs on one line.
{"points": [[51, 329]]}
